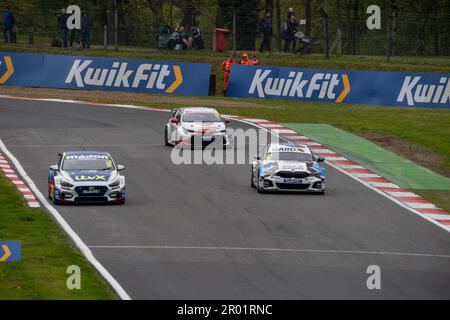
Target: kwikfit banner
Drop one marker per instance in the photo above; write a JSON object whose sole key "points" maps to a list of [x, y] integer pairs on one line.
{"points": [[90, 73], [416, 89]]}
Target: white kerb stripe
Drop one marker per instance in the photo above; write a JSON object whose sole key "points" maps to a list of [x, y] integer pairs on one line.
{"points": [[384, 185], [34, 204], [365, 175], [420, 205], [351, 166], [440, 216], [401, 194]]}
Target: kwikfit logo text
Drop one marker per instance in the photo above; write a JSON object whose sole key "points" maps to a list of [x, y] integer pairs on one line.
{"points": [[320, 85], [154, 76], [413, 91]]}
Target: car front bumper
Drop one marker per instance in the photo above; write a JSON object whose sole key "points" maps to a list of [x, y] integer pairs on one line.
{"points": [[90, 194], [308, 184]]}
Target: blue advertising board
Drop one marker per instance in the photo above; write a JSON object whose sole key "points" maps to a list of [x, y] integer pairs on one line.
{"points": [[92, 73], [10, 251], [416, 89]]}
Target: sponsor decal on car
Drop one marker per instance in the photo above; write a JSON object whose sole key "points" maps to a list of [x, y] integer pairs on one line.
{"points": [[90, 178]]}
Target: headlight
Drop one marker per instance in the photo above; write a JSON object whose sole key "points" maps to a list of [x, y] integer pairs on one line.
{"points": [[315, 174], [115, 183], [65, 184]]}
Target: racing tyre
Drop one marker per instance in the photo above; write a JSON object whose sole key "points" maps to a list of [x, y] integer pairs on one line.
{"points": [[251, 180], [258, 188], [166, 138]]}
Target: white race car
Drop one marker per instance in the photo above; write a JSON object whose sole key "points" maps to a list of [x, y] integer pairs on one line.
{"points": [[197, 127], [288, 167]]}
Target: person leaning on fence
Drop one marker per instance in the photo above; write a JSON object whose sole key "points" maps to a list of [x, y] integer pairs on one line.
{"points": [[226, 67], [265, 26], [289, 32], [62, 23], [85, 30], [8, 25]]}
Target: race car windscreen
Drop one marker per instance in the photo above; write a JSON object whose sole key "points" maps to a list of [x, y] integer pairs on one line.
{"points": [[290, 156], [91, 164], [201, 117]]}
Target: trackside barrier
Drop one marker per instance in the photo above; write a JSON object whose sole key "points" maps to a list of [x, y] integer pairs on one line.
{"points": [[91, 73], [431, 90]]}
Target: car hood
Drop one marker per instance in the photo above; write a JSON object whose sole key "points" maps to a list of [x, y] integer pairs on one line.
{"points": [[204, 126], [273, 166], [89, 175]]}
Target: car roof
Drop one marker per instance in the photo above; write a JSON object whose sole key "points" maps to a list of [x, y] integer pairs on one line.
{"points": [[86, 153], [200, 109], [288, 147]]}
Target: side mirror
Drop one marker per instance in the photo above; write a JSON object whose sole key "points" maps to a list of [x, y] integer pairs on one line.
{"points": [[120, 167], [173, 120], [54, 167], [320, 159], [226, 120]]}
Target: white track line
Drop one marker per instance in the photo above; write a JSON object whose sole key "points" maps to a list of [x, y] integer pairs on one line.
{"points": [[277, 249], [75, 238]]}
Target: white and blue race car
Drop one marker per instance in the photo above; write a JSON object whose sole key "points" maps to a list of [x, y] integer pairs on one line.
{"points": [[86, 176], [288, 167]]}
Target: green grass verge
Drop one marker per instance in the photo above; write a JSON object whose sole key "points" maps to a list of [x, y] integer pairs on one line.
{"points": [[373, 63], [46, 254]]}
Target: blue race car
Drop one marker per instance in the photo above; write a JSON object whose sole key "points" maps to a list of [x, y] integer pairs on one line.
{"points": [[86, 176]]}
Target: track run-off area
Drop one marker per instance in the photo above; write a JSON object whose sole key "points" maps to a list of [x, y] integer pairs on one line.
{"points": [[201, 232]]}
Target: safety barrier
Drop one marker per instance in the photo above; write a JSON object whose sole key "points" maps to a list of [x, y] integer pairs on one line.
{"points": [[430, 90], [91, 73]]}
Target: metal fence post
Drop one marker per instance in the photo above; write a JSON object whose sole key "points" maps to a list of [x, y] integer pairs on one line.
{"points": [[339, 42], [105, 37], [388, 39], [116, 26], [234, 34], [326, 33]]}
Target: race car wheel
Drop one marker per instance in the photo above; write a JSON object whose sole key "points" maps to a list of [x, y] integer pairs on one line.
{"points": [[166, 137], [252, 178], [258, 188]]}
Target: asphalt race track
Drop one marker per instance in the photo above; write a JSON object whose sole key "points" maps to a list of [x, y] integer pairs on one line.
{"points": [[201, 232]]}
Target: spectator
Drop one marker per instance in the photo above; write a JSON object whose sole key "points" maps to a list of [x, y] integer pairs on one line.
{"points": [[197, 40], [175, 42], [266, 29], [226, 67], [289, 35], [74, 34], [85, 30], [8, 25], [62, 22], [186, 40], [290, 13], [245, 59], [164, 37]]}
